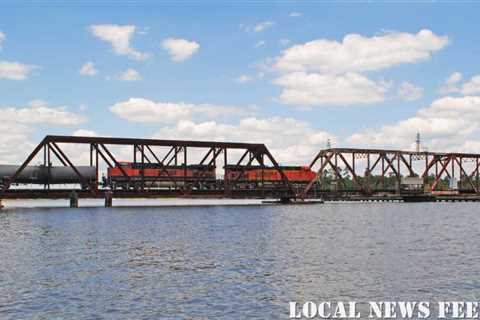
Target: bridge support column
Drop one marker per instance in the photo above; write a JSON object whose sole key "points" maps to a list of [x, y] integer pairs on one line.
{"points": [[285, 200], [108, 199], [1, 204], [73, 200]]}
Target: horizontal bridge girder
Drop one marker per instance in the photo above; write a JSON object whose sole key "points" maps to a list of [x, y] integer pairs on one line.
{"points": [[403, 152], [153, 142]]}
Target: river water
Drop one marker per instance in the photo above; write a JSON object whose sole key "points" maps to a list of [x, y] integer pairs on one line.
{"points": [[232, 262]]}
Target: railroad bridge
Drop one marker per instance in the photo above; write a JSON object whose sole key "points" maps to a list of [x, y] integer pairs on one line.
{"points": [[129, 167]]}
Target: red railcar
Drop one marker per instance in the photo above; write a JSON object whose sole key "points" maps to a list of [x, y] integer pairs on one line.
{"points": [[129, 175]]}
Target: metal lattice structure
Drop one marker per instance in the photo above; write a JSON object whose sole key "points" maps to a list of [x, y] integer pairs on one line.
{"points": [[338, 173], [175, 153], [380, 165]]}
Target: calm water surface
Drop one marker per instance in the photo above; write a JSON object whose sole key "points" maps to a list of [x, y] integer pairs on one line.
{"points": [[232, 262]]}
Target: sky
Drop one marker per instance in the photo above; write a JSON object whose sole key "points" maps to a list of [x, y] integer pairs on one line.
{"points": [[293, 75]]}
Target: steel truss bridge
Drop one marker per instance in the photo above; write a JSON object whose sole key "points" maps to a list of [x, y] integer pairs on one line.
{"points": [[340, 173]]}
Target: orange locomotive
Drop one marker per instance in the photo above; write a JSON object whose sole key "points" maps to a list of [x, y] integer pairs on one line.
{"points": [[255, 174], [129, 175]]}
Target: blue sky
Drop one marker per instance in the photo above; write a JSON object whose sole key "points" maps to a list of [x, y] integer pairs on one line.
{"points": [[242, 40]]}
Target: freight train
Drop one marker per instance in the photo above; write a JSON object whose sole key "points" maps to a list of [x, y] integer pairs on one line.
{"points": [[128, 175], [48, 175]]}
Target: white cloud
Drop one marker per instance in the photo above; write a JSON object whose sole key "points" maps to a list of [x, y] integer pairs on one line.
{"points": [[453, 85], [409, 92], [15, 142], [454, 78], [284, 42], [14, 70], [11, 70], [130, 75], [147, 111], [359, 53], [259, 44], [119, 36], [327, 72], [39, 112], [263, 26], [18, 126], [453, 107], [472, 86], [450, 85], [244, 79], [444, 126], [244, 27], [295, 14], [289, 140], [2, 38], [84, 133], [88, 69], [180, 49], [326, 89]]}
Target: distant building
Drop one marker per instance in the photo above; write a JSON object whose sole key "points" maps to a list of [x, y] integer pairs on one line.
{"points": [[411, 184]]}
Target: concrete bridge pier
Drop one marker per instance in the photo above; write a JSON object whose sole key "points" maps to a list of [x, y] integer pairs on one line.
{"points": [[108, 199], [73, 200]]}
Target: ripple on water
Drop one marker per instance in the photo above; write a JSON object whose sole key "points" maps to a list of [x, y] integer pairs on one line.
{"points": [[231, 262]]}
